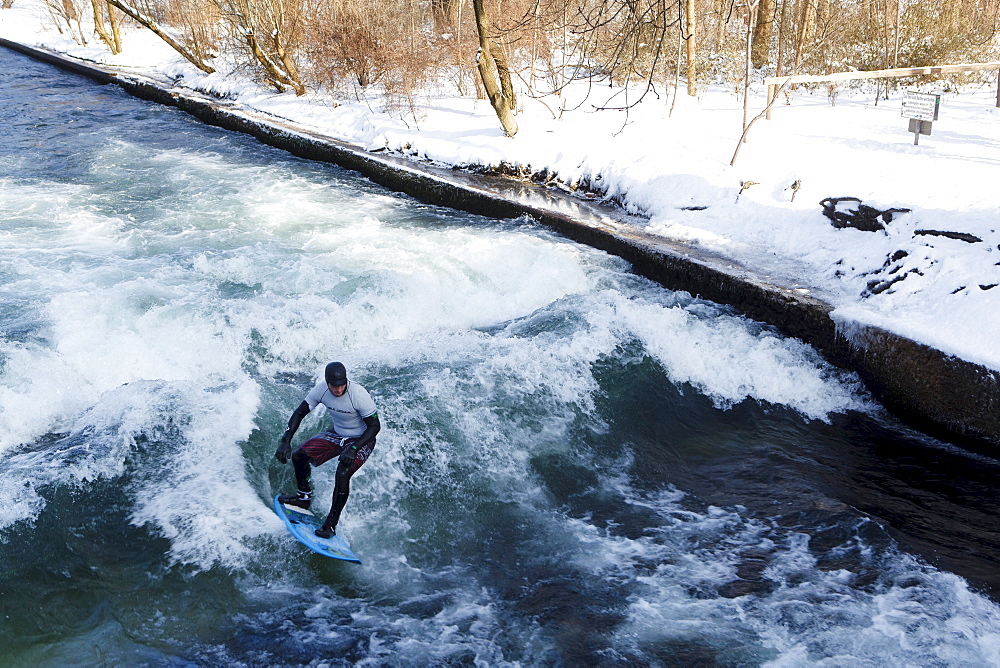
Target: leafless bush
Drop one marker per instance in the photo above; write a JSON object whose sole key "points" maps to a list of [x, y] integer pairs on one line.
{"points": [[198, 22], [389, 44], [68, 14]]}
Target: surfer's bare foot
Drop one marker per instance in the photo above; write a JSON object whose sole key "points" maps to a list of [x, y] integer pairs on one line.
{"points": [[326, 532]]}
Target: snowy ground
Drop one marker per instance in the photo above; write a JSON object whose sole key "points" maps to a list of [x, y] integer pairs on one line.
{"points": [[675, 170]]}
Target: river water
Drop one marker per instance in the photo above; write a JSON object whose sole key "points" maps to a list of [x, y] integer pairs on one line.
{"points": [[577, 466]]}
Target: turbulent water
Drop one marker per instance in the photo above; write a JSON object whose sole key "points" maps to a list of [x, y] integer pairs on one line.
{"points": [[576, 466]]}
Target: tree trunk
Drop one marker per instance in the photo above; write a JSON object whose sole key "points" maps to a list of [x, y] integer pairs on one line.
{"points": [[278, 74], [751, 16], [779, 67], [445, 14], [691, 18], [720, 24], [677, 58], [491, 64], [807, 16], [762, 34], [289, 64], [102, 31], [111, 39], [116, 22]]}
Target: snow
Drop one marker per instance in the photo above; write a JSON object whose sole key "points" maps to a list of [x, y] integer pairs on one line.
{"points": [[674, 169]]}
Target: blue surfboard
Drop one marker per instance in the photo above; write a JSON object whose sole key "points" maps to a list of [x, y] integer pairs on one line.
{"points": [[302, 524]]}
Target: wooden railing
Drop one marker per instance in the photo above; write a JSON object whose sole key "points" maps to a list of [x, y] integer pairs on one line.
{"points": [[774, 83]]}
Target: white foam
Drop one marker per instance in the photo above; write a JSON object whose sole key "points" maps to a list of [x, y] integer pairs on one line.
{"points": [[194, 299], [199, 496], [431, 621], [730, 362], [21, 502], [912, 614]]}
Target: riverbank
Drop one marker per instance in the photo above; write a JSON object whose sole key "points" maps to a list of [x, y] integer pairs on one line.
{"points": [[943, 382]]}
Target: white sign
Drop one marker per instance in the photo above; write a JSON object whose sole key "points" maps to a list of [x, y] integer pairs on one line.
{"points": [[921, 106]]}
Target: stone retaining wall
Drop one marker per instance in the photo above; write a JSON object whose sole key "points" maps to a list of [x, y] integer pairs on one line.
{"points": [[937, 393]]}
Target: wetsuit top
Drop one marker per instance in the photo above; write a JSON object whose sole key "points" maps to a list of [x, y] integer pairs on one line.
{"points": [[347, 411]]}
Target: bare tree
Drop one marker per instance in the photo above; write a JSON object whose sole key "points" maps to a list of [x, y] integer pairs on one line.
{"points": [[806, 16], [677, 59], [111, 38], [495, 71], [783, 19], [748, 125], [691, 18], [197, 23], [751, 7], [144, 17], [67, 12], [762, 33], [268, 32], [626, 41]]}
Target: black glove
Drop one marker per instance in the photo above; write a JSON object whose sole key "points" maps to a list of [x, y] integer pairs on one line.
{"points": [[348, 454], [285, 449]]}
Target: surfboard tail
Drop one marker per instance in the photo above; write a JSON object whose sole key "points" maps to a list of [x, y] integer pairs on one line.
{"points": [[302, 524]]}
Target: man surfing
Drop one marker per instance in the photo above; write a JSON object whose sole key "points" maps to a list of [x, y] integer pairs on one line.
{"points": [[352, 438]]}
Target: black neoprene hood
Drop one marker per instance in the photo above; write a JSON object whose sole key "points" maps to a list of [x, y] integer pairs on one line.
{"points": [[336, 374]]}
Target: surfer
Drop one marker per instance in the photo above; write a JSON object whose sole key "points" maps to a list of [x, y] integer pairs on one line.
{"points": [[352, 439]]}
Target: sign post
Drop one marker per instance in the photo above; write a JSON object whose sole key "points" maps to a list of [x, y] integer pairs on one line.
{"points": [[922, 110]]}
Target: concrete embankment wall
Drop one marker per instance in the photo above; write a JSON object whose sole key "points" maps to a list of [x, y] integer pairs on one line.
{"points": [[934, 392]]}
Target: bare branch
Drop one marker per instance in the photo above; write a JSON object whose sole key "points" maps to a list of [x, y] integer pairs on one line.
{"points": [[162, 33]]}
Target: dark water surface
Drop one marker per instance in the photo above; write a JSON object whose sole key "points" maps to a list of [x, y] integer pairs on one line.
{"points": [[577, 466]]}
